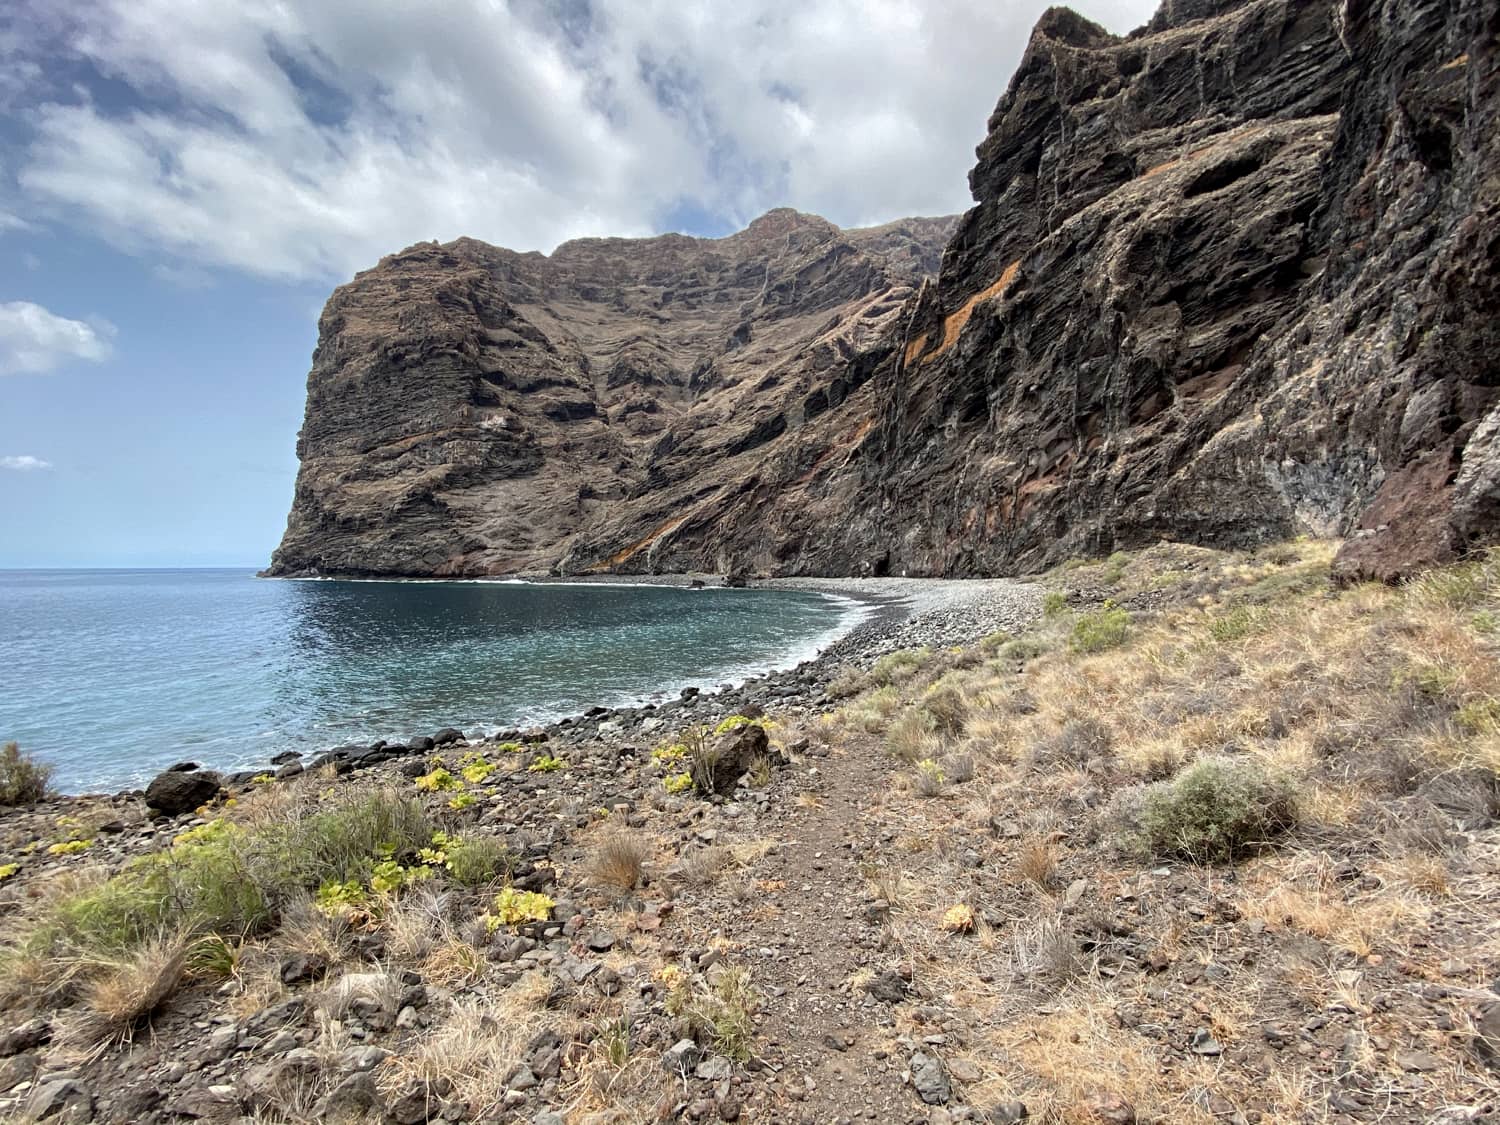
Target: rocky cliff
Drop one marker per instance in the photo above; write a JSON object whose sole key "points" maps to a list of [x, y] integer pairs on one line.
{"points": [[1228, 278], [472, 410]]}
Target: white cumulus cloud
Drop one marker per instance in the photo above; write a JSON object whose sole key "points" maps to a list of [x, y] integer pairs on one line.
{"points": [[34, 340], [302, 139], [24, 463]]}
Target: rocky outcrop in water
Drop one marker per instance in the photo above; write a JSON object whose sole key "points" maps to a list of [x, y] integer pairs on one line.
{"points": [[1229, 278]]}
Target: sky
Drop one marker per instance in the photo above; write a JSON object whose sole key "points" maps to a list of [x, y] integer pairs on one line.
{"points": [[182, 182]]}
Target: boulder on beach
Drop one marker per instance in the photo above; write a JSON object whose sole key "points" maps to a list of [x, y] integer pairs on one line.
{"points": [[731, 755], [176, 791]]}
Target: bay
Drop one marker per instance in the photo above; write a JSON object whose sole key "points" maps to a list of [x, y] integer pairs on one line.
{"points": [[114, 674]]}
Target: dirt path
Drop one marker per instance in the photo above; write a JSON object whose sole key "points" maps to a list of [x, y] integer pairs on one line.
{"points": [[808, 928]]}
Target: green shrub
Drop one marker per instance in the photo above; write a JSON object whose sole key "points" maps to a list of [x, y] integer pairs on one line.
{"points": [[734, 722], [23, 780], [110, 918], [340, 898], [721, 1011], [477, 771], [910, 736], [847, 683], [1023, 649], [1479, 716], [477, 860], [899, 666], [438, 780], [948, 707], [1294, 581], [1105, 628], [512, 907], [1214, 810], [1454, 587], [1054, 603], [343, 842], [992, 641], [886, 701], [1169, 578], [228, 879], [1235, 624], [1436, 682]]}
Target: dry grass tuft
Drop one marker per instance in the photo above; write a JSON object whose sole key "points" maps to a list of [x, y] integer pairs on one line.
{"points": [[889, 885], [1067, 1060], [476, 1047], [1036, 862], [454, 961], [928, 779], [912, 736], [379, 987], [619, 860], [702, 866], [416, 924], [1044, 947], [1305, 902], [306, 929], [959, 768], [121, 993]]}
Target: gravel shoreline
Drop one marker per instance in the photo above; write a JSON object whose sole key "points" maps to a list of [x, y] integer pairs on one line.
{"points": [[905, 613], [912, 612], [902, 613]]}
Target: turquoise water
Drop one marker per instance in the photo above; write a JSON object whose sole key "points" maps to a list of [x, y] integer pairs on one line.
{"points": [[112, 675]]}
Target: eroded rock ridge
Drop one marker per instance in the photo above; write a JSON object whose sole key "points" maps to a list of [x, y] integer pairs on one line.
{"points": [[1230, 277]]}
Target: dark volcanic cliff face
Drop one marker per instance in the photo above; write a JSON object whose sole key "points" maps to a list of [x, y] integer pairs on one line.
{"points": [[472, 410], [1228, 278]]}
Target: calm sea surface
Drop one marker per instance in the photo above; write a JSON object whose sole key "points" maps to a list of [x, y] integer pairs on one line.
{"points": [[114, 674]]}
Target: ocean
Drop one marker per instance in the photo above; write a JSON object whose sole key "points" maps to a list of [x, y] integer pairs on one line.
{"points": [[112, 675]]}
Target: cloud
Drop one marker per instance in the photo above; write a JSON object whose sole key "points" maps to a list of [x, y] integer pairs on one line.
{"points": [[24, 463], [34, 340], [302, 139], [183, 277]]}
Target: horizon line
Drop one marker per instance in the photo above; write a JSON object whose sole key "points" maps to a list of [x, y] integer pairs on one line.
{"points": [[181, 566]]}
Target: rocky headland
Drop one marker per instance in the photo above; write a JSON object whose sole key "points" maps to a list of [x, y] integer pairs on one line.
{"points": [[1229, 278]]}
